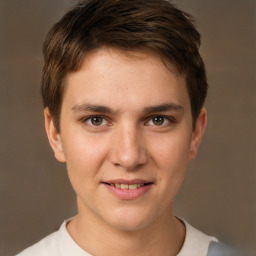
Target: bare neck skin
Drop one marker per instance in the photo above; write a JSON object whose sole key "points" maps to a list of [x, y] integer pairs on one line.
{"points": [[165, 236]]}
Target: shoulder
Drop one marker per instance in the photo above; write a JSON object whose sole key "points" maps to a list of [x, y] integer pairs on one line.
{"points": [[59, 243], [46, 246], [199, 244], [196, 243], [221, 249]]}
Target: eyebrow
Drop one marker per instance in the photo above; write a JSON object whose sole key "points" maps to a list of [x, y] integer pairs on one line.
{"points": [[93, 108], [107, 110], [163, 108]]}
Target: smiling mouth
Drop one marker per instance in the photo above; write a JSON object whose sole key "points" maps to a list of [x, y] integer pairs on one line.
{"points": [[127, 186], [128, 190]]}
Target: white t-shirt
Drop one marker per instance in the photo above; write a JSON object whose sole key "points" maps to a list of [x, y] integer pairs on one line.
{"points": [[60, 243]]}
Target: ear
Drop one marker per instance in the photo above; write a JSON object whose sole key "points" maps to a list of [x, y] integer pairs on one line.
{"points": [[198, 134], [53, 136]]}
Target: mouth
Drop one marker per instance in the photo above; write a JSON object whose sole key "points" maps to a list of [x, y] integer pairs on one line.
{"points": [[128, 186], [128, 190]]}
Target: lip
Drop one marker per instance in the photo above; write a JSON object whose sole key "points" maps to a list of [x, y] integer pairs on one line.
{"points": [[129, 182], [126, 194]]}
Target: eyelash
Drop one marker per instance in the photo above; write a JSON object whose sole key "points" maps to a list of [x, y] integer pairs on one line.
{"points": [[168, 119], [90, 118]]}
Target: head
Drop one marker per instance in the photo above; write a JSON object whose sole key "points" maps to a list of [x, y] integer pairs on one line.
{"points": [[150, 26], [123, 89]]}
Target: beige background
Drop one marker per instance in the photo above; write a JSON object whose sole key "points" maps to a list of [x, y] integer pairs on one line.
{"points": [[218, 196]]}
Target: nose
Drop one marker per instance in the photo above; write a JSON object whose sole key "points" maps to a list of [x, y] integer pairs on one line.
{"points": [[128, 148]]}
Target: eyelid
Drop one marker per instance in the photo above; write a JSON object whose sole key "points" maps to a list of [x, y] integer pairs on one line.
{"points": [[87, 118], [170, 119]]}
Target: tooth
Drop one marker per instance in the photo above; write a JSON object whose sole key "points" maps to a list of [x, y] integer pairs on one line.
{"points": [[133, 186], [124, 186], [112, 185]]}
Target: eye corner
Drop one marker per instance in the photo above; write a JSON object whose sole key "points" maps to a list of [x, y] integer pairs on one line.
{"points": [[161, 121], [93, 120]]}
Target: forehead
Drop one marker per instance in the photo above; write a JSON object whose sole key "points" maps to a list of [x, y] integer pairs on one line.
{"points": [[111, 76]]}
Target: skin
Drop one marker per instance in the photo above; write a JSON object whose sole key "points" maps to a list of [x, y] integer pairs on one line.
{"points": [[127, 144]]}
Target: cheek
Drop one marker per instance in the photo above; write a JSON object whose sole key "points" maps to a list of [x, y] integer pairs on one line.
{"points": [[171, 157], [84, 157], [171, 151]]}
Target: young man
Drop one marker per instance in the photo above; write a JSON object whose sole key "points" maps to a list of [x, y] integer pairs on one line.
{"points": [[123, 89]]}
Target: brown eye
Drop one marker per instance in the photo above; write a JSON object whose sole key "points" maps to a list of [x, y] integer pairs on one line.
{"points": [[158, 120], [96, 120]]}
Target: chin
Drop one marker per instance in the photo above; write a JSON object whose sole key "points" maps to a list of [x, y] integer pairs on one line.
{"points": [[129, 220]]}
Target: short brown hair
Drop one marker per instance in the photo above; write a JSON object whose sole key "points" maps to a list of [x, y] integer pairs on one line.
{"points": [[155, 26]]}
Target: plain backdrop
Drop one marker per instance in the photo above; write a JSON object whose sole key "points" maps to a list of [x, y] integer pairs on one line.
{"points": [[218, 196]]}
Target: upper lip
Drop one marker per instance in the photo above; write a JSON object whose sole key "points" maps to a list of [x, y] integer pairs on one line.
{"points": [[129, 182]]}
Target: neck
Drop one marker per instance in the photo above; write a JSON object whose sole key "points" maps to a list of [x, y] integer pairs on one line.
{"points": [[164, 236]]}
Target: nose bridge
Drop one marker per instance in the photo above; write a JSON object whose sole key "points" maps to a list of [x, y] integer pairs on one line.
{"points": [[129, 149]]}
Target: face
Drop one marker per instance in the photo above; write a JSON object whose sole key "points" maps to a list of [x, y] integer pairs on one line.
{"points": [[126, 137]]}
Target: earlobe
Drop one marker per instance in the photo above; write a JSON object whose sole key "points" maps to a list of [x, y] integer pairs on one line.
{"points": [[53, 136], [198, 134]]}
